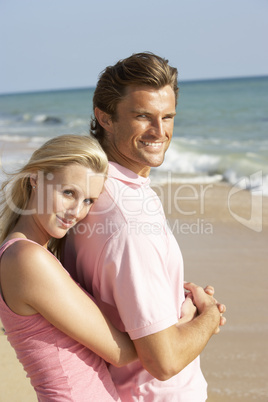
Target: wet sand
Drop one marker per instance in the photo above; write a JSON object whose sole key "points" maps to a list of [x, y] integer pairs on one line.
{"points": [[223, 245]]}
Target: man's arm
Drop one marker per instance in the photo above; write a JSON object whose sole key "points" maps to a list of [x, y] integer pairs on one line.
{"points": [[167, 352]]}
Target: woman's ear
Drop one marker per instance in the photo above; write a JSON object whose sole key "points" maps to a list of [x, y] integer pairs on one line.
{"points": [[33, 180], [104, 120]]}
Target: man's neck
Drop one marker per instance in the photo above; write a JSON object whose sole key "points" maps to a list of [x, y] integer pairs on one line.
{"points": [[144, 172]]}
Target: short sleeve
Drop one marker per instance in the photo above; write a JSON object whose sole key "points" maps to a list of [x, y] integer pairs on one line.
{"points": [[134, 263]]}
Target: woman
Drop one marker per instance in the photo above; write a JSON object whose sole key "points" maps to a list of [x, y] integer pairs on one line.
{"points": [[57, 331]]}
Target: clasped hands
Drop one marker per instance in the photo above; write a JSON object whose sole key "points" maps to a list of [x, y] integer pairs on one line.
{"points": [[199, 300]]}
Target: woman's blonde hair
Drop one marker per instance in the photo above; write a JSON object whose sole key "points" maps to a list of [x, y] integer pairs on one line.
{"points": [[55, 154]]}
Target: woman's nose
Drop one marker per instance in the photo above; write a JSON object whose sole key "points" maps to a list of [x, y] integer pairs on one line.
{"points": [[75, 209]]}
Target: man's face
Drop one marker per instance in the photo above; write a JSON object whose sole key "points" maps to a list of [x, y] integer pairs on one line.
{"points": [[142, 131]]}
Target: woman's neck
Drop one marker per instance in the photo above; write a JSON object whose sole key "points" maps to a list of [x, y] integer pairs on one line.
{"points": [[28, 229]]}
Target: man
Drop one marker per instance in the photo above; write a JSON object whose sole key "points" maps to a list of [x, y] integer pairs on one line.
{"points": [[123, 252]]}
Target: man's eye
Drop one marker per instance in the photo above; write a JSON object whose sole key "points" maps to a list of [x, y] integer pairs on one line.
{"points": [[168, 118]]}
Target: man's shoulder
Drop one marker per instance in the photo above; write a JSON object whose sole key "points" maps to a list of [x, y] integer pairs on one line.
{"points": [[125, 201], [108, 203]]}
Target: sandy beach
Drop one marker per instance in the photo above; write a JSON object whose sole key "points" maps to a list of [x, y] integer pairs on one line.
{"points": [[221, 251], [223, 237]]}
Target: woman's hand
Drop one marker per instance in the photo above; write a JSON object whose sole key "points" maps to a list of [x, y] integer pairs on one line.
{"points": [[188, 310]]}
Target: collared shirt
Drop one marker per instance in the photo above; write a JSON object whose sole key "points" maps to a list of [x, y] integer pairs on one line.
{"points": [[127, 257]]}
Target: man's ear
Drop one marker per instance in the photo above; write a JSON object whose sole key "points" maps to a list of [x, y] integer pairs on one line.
{"points": [[104, 120]]}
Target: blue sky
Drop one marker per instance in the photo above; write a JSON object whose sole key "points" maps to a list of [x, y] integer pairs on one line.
{"points": [[53, 44]]}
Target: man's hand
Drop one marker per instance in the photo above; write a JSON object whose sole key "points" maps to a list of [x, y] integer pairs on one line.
{"points": [[205, 302], [222, 308]]}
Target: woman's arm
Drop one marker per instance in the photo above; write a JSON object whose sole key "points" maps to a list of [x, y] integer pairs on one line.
{"points": [[33, 281]]}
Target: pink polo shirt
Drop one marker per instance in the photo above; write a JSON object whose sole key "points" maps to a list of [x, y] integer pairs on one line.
{"points": [[126, 256]]}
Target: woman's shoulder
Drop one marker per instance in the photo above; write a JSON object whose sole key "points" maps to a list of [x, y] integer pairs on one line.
{"points": [[14, 245], [22, 252], [25, 267]]}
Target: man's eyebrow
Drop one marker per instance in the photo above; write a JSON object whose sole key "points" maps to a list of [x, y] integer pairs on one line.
{"points": [[144, 111], [140, 111], [171, 114]]}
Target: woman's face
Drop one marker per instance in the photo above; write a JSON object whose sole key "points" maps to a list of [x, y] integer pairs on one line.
{"points": [[64, 197]]}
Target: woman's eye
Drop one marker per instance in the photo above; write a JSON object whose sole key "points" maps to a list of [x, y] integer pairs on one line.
{"points": [[88, 201], [69, 193]]}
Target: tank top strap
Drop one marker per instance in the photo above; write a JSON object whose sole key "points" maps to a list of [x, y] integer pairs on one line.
{"points": [[8, 243], [5, 246]]}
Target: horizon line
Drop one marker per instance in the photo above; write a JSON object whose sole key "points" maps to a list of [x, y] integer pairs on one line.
{"points": [[36, 91]]}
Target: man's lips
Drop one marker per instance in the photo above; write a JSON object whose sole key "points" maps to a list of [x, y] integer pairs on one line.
{"points": [[156, 145]]}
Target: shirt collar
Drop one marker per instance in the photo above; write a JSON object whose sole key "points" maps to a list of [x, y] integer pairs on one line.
{"points": [[117, 171]]}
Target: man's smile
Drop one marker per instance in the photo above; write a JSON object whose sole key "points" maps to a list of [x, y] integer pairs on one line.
{"points": [[152, 144]]}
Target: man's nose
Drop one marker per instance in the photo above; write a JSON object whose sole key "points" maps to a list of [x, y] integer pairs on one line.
{"points": [[158, 128]]}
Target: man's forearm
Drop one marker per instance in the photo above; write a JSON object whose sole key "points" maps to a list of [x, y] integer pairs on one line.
{"points": [[194, 336], [167, 352]]}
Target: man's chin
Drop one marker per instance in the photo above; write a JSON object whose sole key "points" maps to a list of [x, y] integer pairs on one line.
{"points": [[156, 163]]}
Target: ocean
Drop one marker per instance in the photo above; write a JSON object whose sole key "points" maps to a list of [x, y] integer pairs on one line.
{"points": [[220, 131]]}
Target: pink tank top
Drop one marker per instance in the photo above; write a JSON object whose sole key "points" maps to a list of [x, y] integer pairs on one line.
{"points": [[60, 368]]}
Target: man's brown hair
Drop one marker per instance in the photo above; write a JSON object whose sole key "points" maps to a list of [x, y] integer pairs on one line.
{"points": [[140, 69]]}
